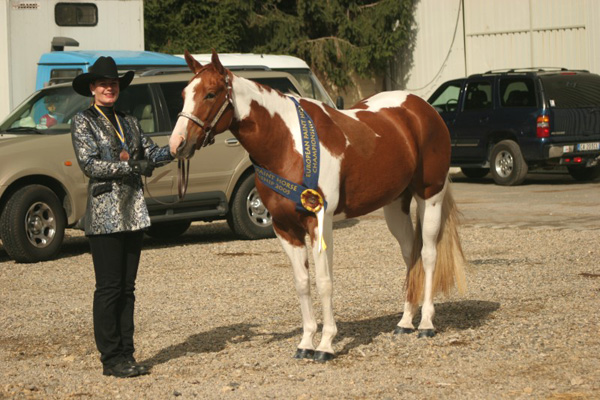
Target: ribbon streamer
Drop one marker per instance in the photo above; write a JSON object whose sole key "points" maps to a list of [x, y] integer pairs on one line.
{"points": [[308, 191]]}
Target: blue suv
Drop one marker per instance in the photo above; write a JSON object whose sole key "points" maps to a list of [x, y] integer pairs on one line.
{"points": [[508, 122]]}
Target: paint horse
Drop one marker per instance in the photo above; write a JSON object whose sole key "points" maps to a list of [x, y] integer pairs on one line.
{"points": [[385, 151]]}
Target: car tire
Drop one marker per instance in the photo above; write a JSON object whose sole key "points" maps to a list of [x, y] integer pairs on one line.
{"points": [[168, 230], [584, 174], [248, 217], [475, 173], [32, 225], [507, 165]]}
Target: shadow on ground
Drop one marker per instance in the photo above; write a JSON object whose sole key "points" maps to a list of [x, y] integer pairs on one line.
{"points": [[212, 341], [460, 315]]}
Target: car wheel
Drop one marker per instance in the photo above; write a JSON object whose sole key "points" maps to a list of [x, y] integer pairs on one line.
{"points": [[508, 166], [248, 217], [168, 230], [32, 224], [583, 174], [475, 173]]}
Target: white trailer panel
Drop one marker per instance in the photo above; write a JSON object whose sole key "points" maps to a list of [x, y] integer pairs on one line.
{"points": [[30, 27]]}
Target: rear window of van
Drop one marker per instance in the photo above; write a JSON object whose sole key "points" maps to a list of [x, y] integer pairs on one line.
{"points": [[572, 90]]}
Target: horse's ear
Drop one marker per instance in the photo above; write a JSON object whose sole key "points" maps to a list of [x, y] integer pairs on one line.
{"points": [[217, 63], [192, 63]]}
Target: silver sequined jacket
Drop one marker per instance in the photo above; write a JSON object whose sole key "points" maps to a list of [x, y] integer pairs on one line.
{"points": [[120, 206]]}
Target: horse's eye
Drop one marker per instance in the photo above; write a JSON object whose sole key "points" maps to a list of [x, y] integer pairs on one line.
{"points": [[209, 96]]}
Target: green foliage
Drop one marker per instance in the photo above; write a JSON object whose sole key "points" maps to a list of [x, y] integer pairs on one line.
{"points": [[336, 37], [172, 26]]}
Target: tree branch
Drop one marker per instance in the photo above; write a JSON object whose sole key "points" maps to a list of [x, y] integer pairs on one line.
{"points": [[369, 5], [334, 38]]}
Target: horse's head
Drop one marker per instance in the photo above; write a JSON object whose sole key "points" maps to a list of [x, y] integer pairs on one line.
{"points": [[207, 107]]}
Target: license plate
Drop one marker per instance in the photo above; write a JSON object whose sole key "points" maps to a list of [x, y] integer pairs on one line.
{"points": [[588, 146]]}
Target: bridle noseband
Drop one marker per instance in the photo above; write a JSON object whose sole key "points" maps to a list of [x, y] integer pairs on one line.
{"points": [[209, 137]]}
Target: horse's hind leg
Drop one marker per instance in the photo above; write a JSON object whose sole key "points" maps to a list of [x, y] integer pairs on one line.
{"points": [[397, 217], [430, 215], [299, 258]]}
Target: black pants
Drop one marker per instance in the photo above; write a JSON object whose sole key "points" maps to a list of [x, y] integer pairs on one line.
{"points": [[116, 257]]}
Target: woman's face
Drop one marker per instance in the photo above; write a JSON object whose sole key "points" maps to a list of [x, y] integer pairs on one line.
{"points": [[106, 91]]}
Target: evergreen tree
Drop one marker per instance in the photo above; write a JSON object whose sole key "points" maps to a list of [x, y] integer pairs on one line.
{"points": [[335, 37]]}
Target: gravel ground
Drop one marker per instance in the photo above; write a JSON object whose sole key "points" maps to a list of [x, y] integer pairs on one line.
{"points": [[218, 318]]}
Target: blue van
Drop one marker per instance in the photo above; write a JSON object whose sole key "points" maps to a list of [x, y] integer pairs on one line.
{"points": [[63, 66]]}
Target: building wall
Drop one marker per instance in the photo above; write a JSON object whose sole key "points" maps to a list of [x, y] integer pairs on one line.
{"points": [[456, 38]]}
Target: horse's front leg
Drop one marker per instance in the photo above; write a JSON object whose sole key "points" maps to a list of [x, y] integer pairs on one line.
{"points": [[298, 255], [324, 275]]}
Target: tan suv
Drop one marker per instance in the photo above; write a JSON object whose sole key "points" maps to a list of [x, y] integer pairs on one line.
{"points": [[43, 190]]}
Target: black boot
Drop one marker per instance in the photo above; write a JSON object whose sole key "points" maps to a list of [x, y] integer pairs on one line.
{"points": [[121, 370], [141, 369]]}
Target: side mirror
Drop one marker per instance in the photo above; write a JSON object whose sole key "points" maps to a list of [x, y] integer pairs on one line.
{"points": [[339, 103]]}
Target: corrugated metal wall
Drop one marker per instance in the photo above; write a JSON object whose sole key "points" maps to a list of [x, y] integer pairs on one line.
{"points": [[439, 49], [501, 34]]}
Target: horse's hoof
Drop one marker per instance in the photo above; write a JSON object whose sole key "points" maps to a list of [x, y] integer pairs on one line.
{"points": [[400, 330], [304, 353], [321, 356], [426, 333]]}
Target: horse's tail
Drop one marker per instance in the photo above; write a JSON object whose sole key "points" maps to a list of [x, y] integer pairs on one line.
{"points": [[450, 261]]}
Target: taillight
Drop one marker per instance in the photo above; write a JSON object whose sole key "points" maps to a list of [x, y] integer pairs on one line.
{"points": [[543, 126]]}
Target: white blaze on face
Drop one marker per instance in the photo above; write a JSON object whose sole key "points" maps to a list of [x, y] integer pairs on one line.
{"points": [[180, 129]]}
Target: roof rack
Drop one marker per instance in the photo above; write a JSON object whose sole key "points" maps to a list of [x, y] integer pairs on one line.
{"points": [[533, 69], [248, 68], [177, 69], [162, 71], [526, 69]]}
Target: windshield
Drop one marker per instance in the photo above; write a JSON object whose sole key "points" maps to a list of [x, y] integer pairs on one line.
{"points": [[310, 84], [47, 112], [446, 98]]}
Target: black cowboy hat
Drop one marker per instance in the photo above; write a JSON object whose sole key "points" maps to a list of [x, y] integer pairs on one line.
{"points": [[104, 67]]}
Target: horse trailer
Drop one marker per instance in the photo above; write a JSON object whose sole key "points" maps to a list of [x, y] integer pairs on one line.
{"points": [[29, 25]]}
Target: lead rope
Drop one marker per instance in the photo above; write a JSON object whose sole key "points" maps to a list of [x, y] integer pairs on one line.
{"points": [[183, 168], [183, 174]]}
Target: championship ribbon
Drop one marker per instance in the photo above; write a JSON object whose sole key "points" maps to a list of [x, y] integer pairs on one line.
{"points": [[306, 196], [124, 156]]}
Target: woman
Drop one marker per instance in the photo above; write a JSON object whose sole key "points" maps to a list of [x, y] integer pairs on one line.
{"points": [[113, 152]]}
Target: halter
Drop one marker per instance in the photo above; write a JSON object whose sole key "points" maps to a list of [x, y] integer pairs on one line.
{"points": [[209, 137]]}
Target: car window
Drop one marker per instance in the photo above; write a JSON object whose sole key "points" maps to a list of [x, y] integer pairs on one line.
{"points": [[572, 90], [137, 101], [309, 84], [517, 93], [282, 84], [49, 111], [479, 96], [172, 94], [447, 99]]}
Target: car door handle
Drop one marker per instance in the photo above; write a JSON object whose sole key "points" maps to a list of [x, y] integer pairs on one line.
{"points": [[232, 142]]}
